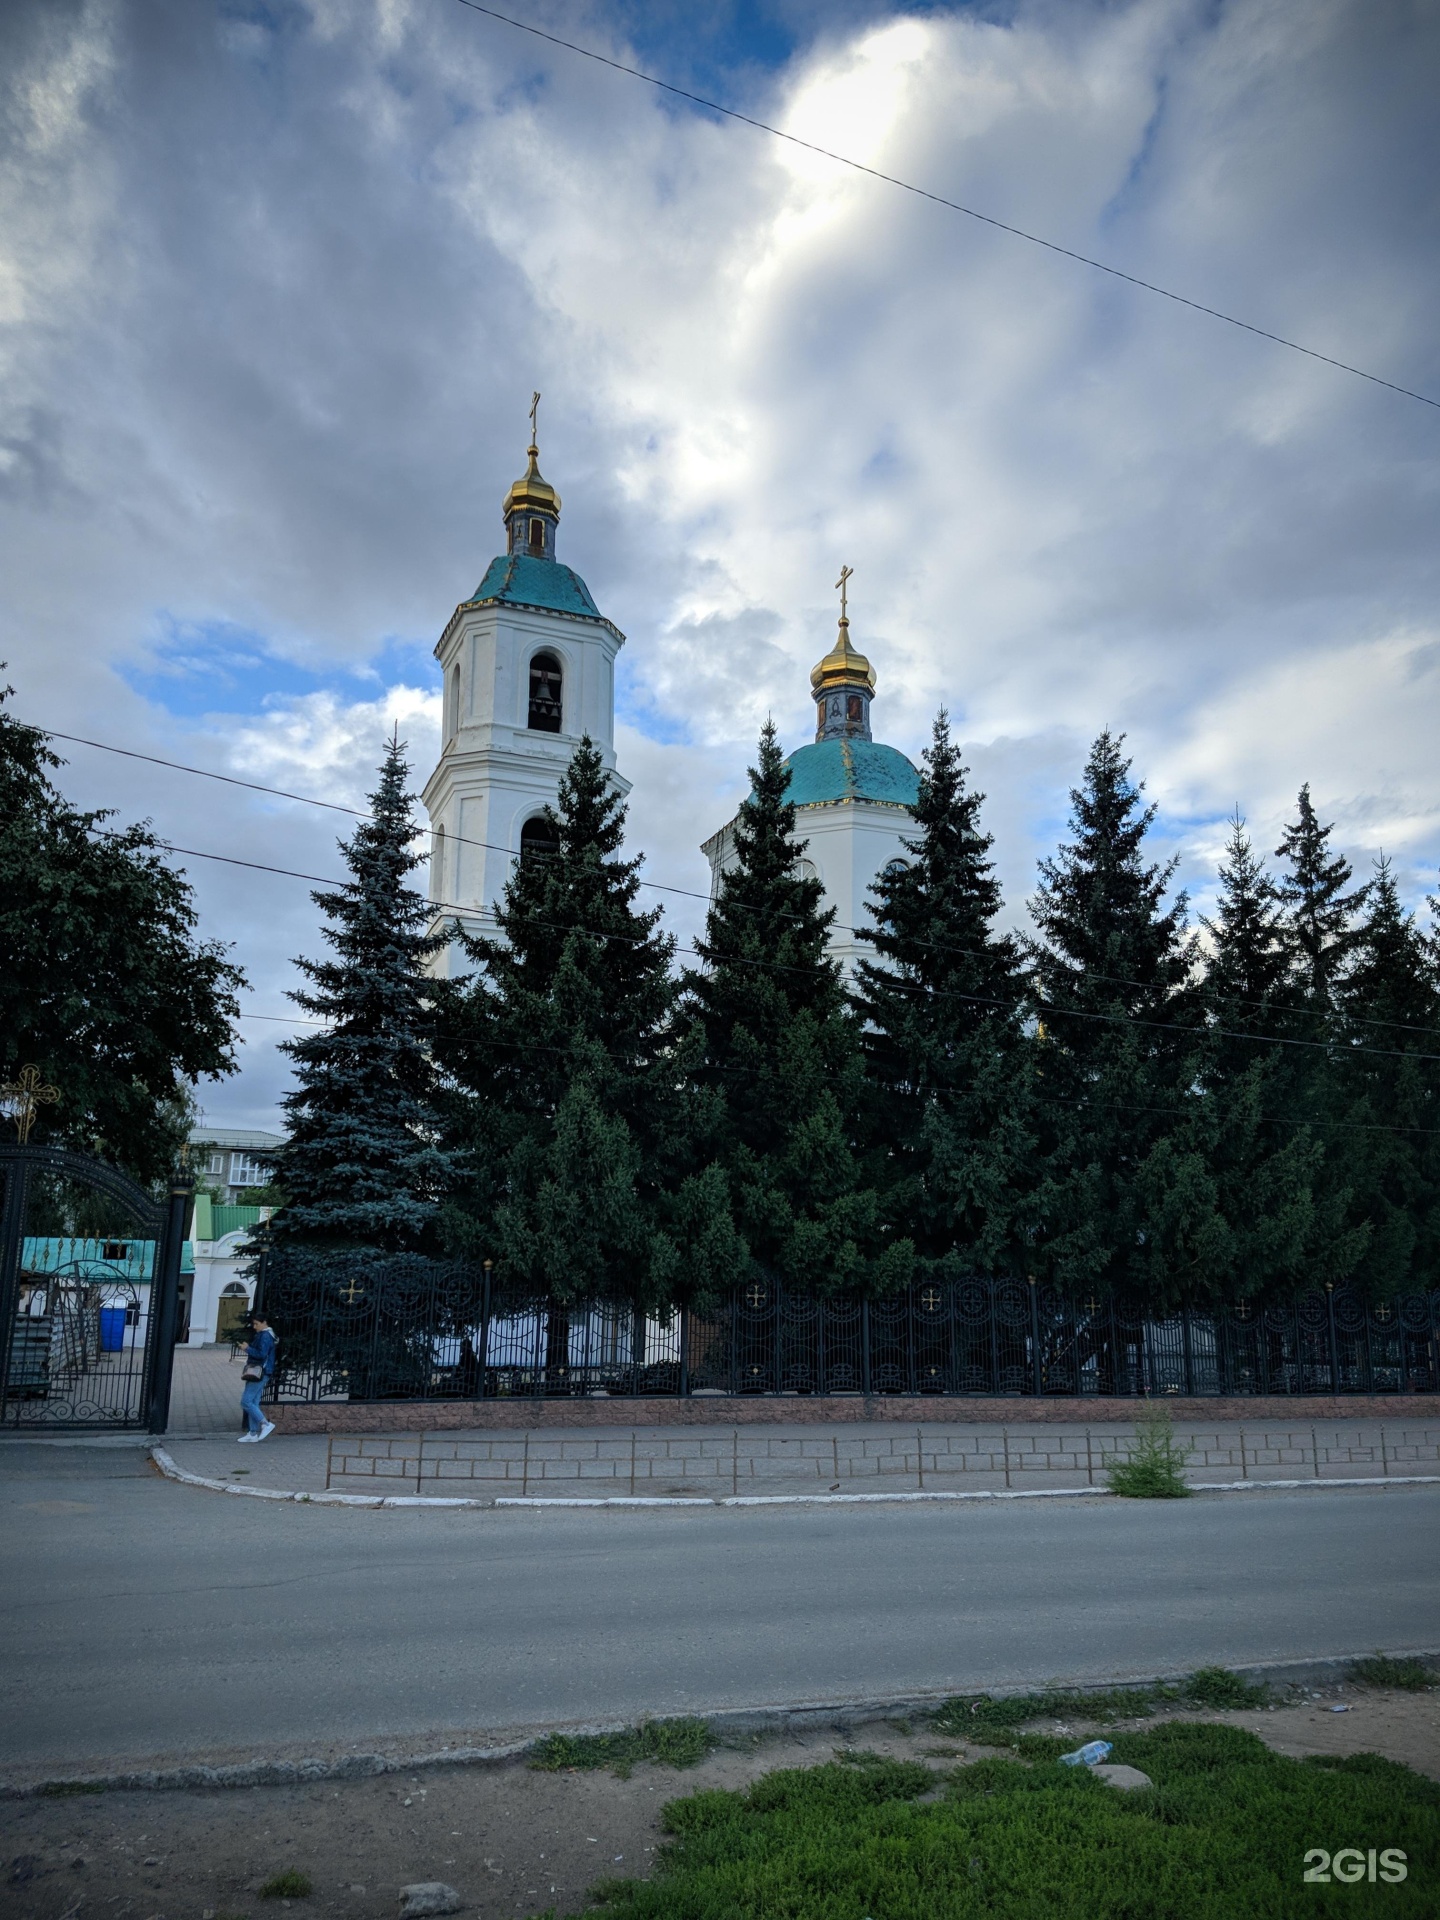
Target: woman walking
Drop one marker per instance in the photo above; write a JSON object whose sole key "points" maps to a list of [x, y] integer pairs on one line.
{"points": [[259, 1365]]}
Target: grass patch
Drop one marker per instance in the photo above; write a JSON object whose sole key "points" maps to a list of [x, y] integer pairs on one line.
{"points": [[1222, 1836], [1414, 1676], [1154, 1471], [289, 1885], [668, 1743], [991, 1722], [66, 1789], [1218, 1687]]}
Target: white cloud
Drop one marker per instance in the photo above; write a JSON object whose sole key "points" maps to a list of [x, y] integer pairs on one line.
{"points": [[278, 289]]}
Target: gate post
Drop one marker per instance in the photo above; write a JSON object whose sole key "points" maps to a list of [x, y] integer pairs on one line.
{"points": [[1039, 1372], [16, 1175], [1334, 1344], [165, 1303]]}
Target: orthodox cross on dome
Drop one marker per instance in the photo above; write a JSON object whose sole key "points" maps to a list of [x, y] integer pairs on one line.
{"points": [[844, 680], [25, 1096], [846, 573], [532, 506]]}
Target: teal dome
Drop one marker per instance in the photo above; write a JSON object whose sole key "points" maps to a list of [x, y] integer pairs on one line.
{"points": [[851, 769], [520, 580]]}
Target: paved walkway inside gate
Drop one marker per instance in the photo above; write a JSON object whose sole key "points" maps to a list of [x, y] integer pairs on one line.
{"points": [[205, 1391]]}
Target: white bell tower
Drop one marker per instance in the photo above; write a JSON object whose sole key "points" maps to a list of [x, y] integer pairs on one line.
{"points": [[529, 667]]}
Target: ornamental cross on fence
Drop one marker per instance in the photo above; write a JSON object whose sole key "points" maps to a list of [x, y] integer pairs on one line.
{"points": [[24, 1097]]}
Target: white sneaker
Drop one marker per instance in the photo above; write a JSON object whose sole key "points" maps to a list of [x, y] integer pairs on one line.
{"points": [[266, 1430], [245, 1438]]}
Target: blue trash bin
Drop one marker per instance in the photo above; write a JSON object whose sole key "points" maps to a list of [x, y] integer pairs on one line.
{"points": [[112, 1329]]}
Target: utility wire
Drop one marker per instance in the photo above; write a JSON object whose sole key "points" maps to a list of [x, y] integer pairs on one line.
{"points": [[940, 200], [1049, 1009], [910, 1092], [656, 886]]}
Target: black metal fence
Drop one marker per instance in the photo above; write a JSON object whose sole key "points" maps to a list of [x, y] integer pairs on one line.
{"points": [[89, 1289], [406, 1328]]}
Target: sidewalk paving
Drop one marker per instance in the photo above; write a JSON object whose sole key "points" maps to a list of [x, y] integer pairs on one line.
{"points": [[720, 1462]]}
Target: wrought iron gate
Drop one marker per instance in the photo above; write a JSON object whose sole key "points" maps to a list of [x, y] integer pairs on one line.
{"points": [[89, 1291]]}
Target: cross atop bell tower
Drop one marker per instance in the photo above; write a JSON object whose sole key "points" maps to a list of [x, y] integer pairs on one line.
{"points": [[532, 506], [844, 681]]}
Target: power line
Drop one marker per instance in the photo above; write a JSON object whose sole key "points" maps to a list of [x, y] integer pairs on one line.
{"points": [[1050, 1008], [657, 886], [940, 200], [527, 1047]]}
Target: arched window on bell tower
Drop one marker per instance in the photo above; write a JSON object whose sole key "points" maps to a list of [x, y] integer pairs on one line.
{"points": [[538, 839], [546, 683]]}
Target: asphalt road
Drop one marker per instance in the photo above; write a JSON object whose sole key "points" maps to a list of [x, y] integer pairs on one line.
{"points": [[139, 1618]]}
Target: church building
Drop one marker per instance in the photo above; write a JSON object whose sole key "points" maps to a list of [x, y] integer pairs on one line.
{"points": [[850, 793], [528, 665]]}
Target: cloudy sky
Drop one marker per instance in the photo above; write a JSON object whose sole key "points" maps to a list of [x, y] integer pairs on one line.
{"points": [[276, 282]]}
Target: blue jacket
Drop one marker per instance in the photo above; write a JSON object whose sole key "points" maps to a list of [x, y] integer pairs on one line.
{"points": [[262, 1348]]}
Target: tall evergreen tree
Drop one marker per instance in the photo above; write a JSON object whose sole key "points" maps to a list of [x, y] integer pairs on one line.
{"points": [[950, 1067], [1387, 1020], [1248, 972], [1319, 911], [1284, 1209], [774, 1046], [103, 984], [570, 1111], [363, 1165], [1131, 1204]]}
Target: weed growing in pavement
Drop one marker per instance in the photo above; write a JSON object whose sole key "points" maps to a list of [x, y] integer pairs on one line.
{"points": [[668, 1743], [1154, 1471], [1224, 1832], [64, 1789], [289, 1885], [1380, 1670]]}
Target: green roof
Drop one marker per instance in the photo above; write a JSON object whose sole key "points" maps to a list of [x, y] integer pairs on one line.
{"points": [[520, 580], [831, 770], [234, 1219]]}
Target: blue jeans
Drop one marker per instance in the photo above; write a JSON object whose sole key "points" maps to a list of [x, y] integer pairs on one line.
{"points": [[250, 1404]]}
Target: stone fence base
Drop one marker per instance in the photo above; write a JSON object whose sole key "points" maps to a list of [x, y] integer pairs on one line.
{"points": [[813, 1410]]}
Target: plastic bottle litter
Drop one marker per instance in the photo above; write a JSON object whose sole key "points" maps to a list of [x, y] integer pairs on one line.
{"points": [[1090, 1755]]}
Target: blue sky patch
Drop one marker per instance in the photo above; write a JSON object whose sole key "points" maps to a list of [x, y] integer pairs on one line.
{"points": [[217, 666]]}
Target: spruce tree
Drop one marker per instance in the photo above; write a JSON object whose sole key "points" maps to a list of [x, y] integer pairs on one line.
{"points": [[1319, 911], [1387, 1022], [1130, 1203], [569, 1110], [1248, 971], [950, 1078], [1283, 1207], [773, 1049], [363, 1166]]}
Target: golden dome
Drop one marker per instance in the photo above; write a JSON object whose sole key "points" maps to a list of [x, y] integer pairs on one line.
{"points": [[532, 491], [843, 666]]}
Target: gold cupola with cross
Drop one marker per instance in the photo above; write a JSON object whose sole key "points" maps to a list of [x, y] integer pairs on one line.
{"points": [[532, 506], [843, 682]]}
